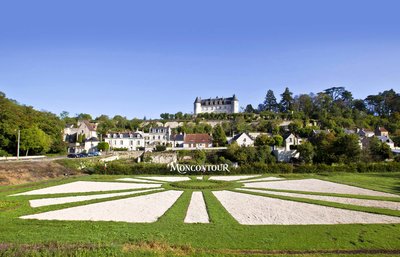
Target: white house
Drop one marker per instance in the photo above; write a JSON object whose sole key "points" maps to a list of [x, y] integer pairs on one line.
{"points": [[365, 133], [197, 141], [129, 140], [291, 140], [242, 139], [82, 130], [90, 144], [387, 140], [158, 136], [216, 105]]}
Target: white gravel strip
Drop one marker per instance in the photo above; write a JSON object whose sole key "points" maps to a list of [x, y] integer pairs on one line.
{"points": [[260, 210], [197, 211], [344, 200], [72, 199], [136, 180], [168, 179], [199, 178], [88, 186], [231, 178], [316, 185], [145, 208], [262, 179]]}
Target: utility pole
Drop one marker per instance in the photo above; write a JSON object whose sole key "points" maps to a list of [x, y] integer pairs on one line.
{"points": [[19, 137]]}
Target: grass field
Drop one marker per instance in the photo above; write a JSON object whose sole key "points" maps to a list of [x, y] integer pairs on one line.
{"points": [[169, 236]]}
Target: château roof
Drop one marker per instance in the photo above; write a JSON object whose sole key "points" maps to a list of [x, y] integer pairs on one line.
{"points": [[217, 100]]}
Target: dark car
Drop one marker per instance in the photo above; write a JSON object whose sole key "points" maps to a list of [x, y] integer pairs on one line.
{"points": [[82, 155], [72, 155]]}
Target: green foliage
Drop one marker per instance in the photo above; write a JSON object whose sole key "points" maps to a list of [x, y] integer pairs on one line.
{"points": [[160, 148], [306, 151], [103, 146], [264, 140], [36, 140], [278, 139], [219, 137], [14, 117]]}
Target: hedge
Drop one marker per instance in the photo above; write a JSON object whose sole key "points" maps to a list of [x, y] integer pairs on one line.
{"points": [[123, 168]]}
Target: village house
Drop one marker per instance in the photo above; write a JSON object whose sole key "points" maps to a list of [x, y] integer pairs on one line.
{"points": [[242, 139], [197, 141], [365, 133], [76, 136], [129, 140], [157, 136], [288, 152]]}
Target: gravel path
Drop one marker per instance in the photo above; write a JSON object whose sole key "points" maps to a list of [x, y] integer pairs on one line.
{"points": [[260, 210], [232, 178], [135, 180], [197, 211], [87, 186], [168, 179], [316, 185], [145, 208], [71, 199], [262, 179], [344, 200]]}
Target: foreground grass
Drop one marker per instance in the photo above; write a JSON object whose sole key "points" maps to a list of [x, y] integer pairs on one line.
{"points": [[170, 236]]}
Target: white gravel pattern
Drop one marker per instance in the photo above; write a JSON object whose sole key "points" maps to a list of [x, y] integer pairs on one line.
{"points": [[168, 179], [316, 185], [232, 178], [72, 199], [199, 178], [87, 186], [344, 200], [260, 210], [145, 208], [136, 180], [262, 179], [197, 211]]}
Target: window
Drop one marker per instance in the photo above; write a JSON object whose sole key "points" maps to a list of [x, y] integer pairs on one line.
{"points": [[138, 142], [122, 142]]}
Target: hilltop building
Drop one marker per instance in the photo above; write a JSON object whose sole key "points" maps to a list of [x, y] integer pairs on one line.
{"points": [[216, 105]]}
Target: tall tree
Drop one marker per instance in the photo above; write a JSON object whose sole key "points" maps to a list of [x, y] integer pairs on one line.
{"points": [[286, 103], [219, 137], [270, 103]]}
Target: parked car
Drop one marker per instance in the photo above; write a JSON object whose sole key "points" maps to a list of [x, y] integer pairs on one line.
{"points": [[82, 155], [96, 154], [72, 155]]}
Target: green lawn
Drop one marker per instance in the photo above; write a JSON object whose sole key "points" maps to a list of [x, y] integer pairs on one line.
{"points": [[170, 236]]}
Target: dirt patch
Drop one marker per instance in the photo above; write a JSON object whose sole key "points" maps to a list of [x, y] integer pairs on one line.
{"points": [[15, 173]]}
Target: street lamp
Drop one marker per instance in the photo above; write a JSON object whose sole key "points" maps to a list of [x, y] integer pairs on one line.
{"points": [[19, 137]]}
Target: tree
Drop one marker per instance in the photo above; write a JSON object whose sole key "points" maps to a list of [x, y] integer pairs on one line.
{"points": [[84, 116], [306, 151], [219, 137], [287, 101], [347, 148], [264, 140], [278, 139], [270, 103], [249, 109], [103, 146], [35, 139], [379, 151]]}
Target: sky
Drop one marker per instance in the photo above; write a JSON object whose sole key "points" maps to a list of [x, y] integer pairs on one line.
{"points": [[143, 58]]}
